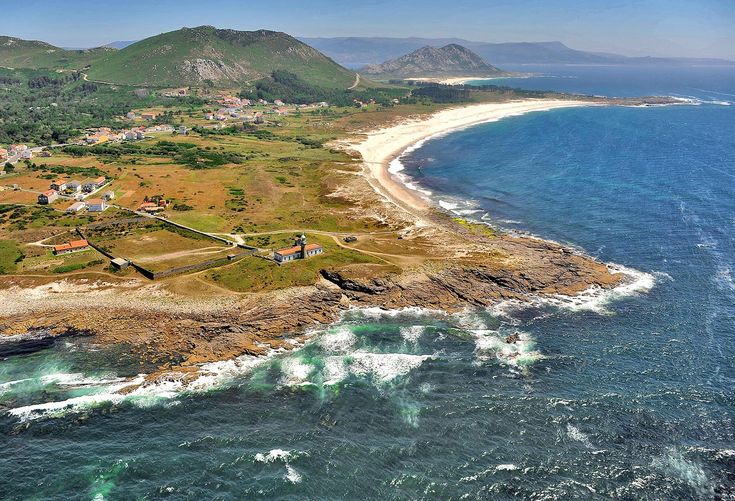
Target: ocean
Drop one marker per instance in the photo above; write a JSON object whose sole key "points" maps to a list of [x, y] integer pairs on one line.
{"points": [[626, 394]]}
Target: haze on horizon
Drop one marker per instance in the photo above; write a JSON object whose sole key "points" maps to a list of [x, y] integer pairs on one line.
{"points": [[666, 28]]}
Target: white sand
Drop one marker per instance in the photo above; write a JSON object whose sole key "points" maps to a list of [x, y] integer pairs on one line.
{"points": [[453, 80], [381, 146]]}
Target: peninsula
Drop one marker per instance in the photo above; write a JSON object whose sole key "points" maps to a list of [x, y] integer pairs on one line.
{"points": [[203, 186]]}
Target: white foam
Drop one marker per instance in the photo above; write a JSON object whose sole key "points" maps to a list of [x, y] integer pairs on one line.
{"points": [[384, 367], [519, 354], [295, 372], [576, 434], [412, 333], [448, 205], [59, 408], [675, 465], [506, 467], [338, 340], [292, 475], [596, 298], [273, 455]]}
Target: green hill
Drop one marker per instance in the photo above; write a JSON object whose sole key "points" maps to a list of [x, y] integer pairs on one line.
{"points": [[18, 53], [197, 56]]}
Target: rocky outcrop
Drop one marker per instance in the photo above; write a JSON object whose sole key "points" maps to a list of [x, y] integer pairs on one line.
{"points": [[447, 61], [168, 333]]}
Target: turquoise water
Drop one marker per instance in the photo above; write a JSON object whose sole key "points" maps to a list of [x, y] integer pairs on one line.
{"points": [[628, 394]]}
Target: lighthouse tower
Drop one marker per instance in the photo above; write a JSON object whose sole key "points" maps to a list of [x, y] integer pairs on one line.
{"points": [[301, 242]]}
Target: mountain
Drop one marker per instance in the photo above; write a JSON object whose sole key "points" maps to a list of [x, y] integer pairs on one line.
{"points": [[18, 53], [450, 60], [360, 51], [207, 55]]}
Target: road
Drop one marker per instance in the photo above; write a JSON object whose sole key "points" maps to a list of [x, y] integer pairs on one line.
{"points": [[357, 82]]}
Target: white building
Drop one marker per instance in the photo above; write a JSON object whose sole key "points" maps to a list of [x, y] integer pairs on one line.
{"points": [[76, 207], [96, 205]]}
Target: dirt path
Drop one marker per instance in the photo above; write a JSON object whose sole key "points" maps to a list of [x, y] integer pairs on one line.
{"points": [[357, 82]]}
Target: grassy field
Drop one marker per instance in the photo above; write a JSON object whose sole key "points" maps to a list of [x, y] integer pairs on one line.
{"points": [[42, 260], [159, 248], [256, 274], [10, 254]]}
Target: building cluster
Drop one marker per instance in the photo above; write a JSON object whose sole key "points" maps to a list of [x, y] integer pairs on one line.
{"points": [[180, 92], [154, 206], [78, 190], [20, 151]]}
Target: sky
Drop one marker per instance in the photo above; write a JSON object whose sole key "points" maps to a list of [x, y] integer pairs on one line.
{"points": [[694, 28]]}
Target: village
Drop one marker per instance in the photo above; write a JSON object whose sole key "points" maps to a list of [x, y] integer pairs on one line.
{"points": [[96, 195]]}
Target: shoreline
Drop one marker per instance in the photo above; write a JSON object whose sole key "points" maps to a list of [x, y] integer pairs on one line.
{"points": [[386, 145]]}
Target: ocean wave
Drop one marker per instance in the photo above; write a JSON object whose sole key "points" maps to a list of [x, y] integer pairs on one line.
{"points": [[596, 299], [273, 455]]}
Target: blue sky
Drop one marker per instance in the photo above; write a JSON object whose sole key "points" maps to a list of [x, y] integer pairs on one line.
{"points": [[633, 27]]}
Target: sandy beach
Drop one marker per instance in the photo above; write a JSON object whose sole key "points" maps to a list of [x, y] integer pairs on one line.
{"points": [[454, 80], [382, 146]]}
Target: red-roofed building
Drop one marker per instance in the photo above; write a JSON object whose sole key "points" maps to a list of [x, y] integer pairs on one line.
{"points": [[73, 246], [47, 197], [300, 250]]}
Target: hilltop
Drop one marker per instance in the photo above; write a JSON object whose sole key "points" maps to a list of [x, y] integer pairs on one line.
{"points": [[220, 57], [448, 61], [19, 53]]}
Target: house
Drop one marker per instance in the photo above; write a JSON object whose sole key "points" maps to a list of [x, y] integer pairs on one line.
{"points": [[92, 184], [183, 131], [3, 154], [75, 207], [73, 186], [148, 116], [151, 207], [96, 205], [47, 197], [16, 149], [278, 102], [26, 154], [44, 154], [108, 195], [130, 115], [300, 250], [59, 185], [73, 246], [209, 116]]}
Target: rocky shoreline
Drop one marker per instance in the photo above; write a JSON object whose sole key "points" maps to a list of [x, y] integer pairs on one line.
{"points": [[178, 333]]}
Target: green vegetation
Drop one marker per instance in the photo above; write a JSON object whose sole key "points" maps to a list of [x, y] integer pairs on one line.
{"points": [[290, 88], [254, 274], [188, 154], [45, 107], [476, 228], [10, 256], [66, 268], [17, 53], [185, 57]]}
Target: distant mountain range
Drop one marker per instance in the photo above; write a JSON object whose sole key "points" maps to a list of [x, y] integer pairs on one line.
{"points": [[360, 51], [448, 61]]}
